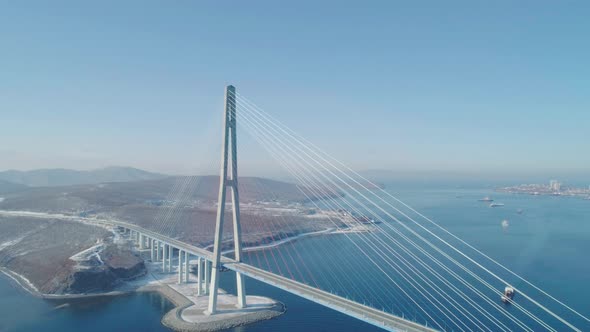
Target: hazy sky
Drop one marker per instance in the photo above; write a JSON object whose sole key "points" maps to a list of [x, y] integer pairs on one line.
{"points": [[429, 85]]}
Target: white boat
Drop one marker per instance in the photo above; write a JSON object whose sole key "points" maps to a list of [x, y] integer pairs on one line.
{"points": [[508, 294], [486, 199], [496, 205]]}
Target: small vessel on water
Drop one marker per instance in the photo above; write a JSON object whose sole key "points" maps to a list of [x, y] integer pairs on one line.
{"points": [[496, 205], [519, 211], [366, 220], [508, 294], [486, 199], [505, 224]]}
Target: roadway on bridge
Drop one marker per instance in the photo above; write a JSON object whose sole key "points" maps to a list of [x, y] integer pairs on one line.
{"points": [[348, 307], [368, 314]]}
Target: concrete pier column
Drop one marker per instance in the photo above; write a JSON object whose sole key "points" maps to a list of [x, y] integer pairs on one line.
{"points": [[186, 266], [164, 247], [141, 241], [152, 251], [180, 266], [158, 251], [199, 276], [170, 256], [241, 294], [207, 276]]}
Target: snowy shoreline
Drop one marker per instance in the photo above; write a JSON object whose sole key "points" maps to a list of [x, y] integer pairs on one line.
{"points": [[23, 282], [27, 285]]}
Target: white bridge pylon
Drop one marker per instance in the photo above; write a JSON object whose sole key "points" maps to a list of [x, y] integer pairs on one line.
{"points": [[228, 178]]}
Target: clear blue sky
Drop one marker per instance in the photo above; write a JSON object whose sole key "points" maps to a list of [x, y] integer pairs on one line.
{"points": [[471, 86]]}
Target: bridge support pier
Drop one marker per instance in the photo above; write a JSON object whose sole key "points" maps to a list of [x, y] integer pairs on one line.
{"points": [[186, 266], [170, 257], [164, 257], [141, 242], [152, 250], [180, 253], [199, 276], [158, 249], [207, 276]]}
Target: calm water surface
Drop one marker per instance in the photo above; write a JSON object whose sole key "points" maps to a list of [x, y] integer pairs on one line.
{"points": [[547, 244]]}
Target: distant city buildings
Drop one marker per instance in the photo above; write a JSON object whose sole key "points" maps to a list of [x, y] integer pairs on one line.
{"points": [[555, 185], [555, 188]]}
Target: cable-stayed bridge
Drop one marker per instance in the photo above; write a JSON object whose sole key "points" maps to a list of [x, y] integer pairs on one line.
{"points": [[163, 250], [393, 267]]}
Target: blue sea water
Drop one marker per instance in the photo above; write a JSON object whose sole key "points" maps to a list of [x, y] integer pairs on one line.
{"points": [[548, 244]]}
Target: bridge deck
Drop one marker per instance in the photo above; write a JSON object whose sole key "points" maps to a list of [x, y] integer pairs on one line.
{"points": [[368, 314], [365, 313]]}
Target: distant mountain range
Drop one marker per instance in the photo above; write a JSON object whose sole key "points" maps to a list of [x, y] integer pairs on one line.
{"points": [[12, 179], [9, 187], [134, 198]]}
